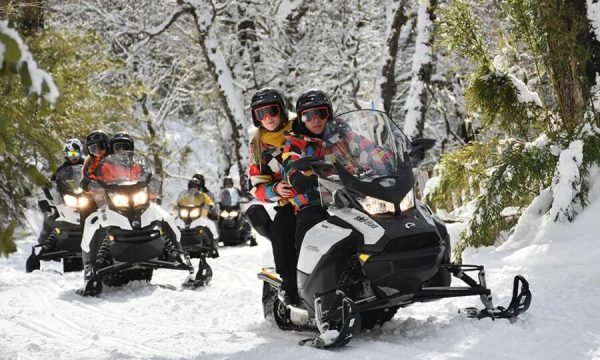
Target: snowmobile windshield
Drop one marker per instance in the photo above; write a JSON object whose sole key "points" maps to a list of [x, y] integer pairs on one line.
{"points": [[230, 197], [369, 154], [191, 198], [68, 178], [125, 168]]}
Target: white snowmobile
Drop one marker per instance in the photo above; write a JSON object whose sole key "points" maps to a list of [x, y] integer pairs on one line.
{"points": [[62, 204], [379, 250], [130, 235]]}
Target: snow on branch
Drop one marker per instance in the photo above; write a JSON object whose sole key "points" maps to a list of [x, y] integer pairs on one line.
{"points": [[567, 182], [15, 54]]}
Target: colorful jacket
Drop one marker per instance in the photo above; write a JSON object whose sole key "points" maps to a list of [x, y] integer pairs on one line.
{"points": [[304, 182], [265, 173], [353, 151]]}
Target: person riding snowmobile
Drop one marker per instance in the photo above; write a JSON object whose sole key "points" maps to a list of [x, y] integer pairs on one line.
{"points": [[73, 150], [121, 143], [314, 121], [271, 117], [234, 227]]}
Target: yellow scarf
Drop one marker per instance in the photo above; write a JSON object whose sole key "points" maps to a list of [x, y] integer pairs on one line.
{"points": [[275, 138]]}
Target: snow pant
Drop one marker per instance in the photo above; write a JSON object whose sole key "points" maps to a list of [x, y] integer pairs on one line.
{"points": [[281, 234], [306, 219]]}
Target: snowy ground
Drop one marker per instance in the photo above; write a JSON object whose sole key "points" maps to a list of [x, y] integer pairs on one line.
{"points": [[41, 317]]}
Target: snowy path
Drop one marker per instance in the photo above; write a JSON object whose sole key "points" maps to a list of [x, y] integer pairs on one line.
{"points": [[41, 317]]}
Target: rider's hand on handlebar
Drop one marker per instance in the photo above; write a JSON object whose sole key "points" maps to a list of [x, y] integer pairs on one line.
{"points": [[283, 189]]}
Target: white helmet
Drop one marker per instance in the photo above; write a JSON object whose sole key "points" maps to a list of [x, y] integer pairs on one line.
{"points": [[73, 148]]}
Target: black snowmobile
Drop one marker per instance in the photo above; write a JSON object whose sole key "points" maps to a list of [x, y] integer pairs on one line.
{"points": [[61, 207], [380, 249], [199, 236], [234, 229], [130, 235]]}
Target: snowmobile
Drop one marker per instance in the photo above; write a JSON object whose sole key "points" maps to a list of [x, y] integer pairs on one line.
{"points": [[62, 204], [130, 235], [380, 250], [199, 236], [234, 229]]}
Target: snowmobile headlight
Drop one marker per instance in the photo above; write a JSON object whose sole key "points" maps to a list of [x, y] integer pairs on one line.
{"points": [[184, 213], [119, 200], [375, 206], [233, 213], [224, 213], [140, 197], [408, 202], [83, 202], [195, 212], [70, 201]]}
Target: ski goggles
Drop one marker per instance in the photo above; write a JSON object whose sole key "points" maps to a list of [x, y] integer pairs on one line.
{"points": [[96, 148], [271, 110], [122, 146], [72, 154], [321, 112]]}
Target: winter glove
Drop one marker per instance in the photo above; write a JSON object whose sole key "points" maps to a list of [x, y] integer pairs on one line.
{"points": [[304, 183], [336, 131]]}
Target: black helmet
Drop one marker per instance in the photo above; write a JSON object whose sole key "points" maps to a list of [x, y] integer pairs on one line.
{"points": [[310, 99], [121, 141], [227, 180], [268, 96], [195, 183], [96, 140], [199, 178]]}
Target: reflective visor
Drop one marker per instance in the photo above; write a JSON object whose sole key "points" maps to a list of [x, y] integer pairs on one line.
{"points": [[271, 110], [122, 146], [96, 148], [321, 112], [72, 154]]}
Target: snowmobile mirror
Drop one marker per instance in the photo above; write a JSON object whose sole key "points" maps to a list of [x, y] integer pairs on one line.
{"points": [[44, 206], [259, 219], [418, 148]]}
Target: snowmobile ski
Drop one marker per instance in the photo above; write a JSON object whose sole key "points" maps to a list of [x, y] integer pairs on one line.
{"points": [[336, 338], [519, 303]]}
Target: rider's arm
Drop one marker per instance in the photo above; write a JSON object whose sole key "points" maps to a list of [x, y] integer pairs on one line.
{"points": [[264, 174]]}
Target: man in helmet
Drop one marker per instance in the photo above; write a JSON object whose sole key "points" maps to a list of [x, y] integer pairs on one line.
{"points": [[231, 197], [121, 145], [73, 151], [197, 183], [315, 119]]}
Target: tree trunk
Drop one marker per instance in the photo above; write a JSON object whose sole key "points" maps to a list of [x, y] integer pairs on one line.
{"points": [[388, 87]]}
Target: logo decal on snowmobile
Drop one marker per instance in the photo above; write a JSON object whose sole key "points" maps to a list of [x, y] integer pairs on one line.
{"points": [[370, 223], [312, 248], [410, 225]]}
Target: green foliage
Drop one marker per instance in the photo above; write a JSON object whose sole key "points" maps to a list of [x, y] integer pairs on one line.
{"points": [[518, 175], [495, 95], [460, 31], [464, 173], [500, 174], [31, 132], [7, 245]]}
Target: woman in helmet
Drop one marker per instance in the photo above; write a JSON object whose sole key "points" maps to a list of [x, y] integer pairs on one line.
{"points": [[272, 119], [98, 147]]}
